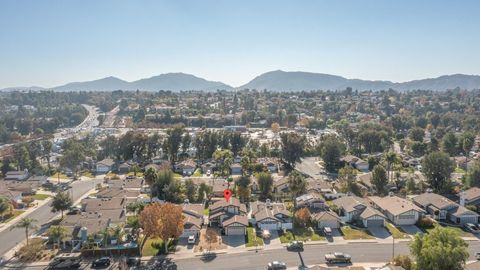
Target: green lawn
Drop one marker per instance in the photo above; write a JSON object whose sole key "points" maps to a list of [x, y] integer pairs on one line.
{"points": [[396, 232], [301, 234], [350, 233], [139, 174], [111, 174], [16, 213], [197, 173], [177, 175], [459, 230], [206, 211], [40, 197], [252, 240], [88, 174], [155, 246], [459, 170], [59, 175]]}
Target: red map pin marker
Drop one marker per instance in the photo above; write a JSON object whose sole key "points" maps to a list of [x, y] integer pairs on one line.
{"points": [[227, 193]]}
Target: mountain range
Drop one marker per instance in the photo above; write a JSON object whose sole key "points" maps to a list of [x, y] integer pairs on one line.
{"points": [[275, 80]]}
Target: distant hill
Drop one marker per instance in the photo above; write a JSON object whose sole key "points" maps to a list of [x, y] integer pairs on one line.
{"points": [[178, 82], [275, 80], [297, 81], [105, 84]]}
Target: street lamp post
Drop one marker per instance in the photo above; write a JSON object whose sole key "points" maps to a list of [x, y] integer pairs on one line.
{"points": [[393, 248]]}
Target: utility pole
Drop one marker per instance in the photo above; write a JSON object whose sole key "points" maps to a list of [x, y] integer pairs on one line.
{"points": [[393, 248]]}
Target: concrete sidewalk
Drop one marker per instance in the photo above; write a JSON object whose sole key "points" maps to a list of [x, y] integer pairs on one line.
{"points": [[4, 226]]}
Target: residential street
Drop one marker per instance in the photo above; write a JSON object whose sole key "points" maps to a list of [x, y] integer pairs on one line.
{"points": [[10, 238], [310, 167], [313, 254]]}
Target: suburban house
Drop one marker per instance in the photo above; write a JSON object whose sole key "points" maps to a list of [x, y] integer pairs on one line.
{"points": [[208, 166], [319, 186], [280, 185], [441, 208], [326, 219], [186, 167], [310, 200], [219, 185], [17, 175], [356, 162], [104, 166], [271, 164], [14, 196], [354, 209], [125, 167], [231, 216], [236, 169], [270, 216], [398, 210], [193, 219], [471, 196]]}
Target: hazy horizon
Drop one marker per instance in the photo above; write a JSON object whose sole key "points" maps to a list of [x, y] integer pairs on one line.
{"points": [[51, 43]]}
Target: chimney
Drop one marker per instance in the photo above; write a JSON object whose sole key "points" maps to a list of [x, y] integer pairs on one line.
{"points": [[462, 198]]}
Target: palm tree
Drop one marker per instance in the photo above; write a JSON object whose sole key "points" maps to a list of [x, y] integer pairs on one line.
{"points": [[117, 232], [391, 158], [57, 233], [150, 178], [105, 235], [27, 224]]}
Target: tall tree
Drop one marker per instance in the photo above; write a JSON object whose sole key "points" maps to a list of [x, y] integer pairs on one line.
{"points": [[61, 202], [27, 224], [47, 146], [293, 148], [162, 220], [449, 144], [379, 179], [417, 134], [440, 249], [437, 168], [331, 150], [265, 184], [190, 190], [303, 216], [243, 187], [150, 178], [6, 207], [173, 141], [347, 180], [224, 159], [297, 184], [391, 159], [473, 175], [57, 234]]}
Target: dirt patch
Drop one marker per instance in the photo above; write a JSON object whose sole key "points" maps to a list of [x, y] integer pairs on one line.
{"points": [[210, 239]]}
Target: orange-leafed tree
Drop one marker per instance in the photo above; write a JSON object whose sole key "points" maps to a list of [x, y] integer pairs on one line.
{"points": [[161, 220], [303, 216], [275, 127]]}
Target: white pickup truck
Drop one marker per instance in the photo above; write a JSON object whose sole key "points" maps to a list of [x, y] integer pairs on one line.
{"points": [[338, 257]]}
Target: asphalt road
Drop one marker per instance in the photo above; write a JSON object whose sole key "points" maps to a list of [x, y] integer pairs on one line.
{"points": [[361, 252], [310, 167], [10, 238]]}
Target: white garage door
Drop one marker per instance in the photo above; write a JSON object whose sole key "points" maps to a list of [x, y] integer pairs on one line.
{"points": [[268, 226], [235, 231]]}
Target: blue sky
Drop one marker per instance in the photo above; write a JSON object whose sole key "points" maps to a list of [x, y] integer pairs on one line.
{"points": [[48, 43]]}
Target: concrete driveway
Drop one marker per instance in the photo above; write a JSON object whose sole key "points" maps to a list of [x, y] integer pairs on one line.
{"points": [[234, 241], [411, 229], [336, 236], [184, 247], [379, 232]]}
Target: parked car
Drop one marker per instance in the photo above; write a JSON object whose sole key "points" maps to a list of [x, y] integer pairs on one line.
{"points": [[327, 231], [338, 257], [191, 239], [471, 228], [64, 263], [477, 255], [295, 246], [104, 262], [130, 177], [133, 261], [276, 265]]}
